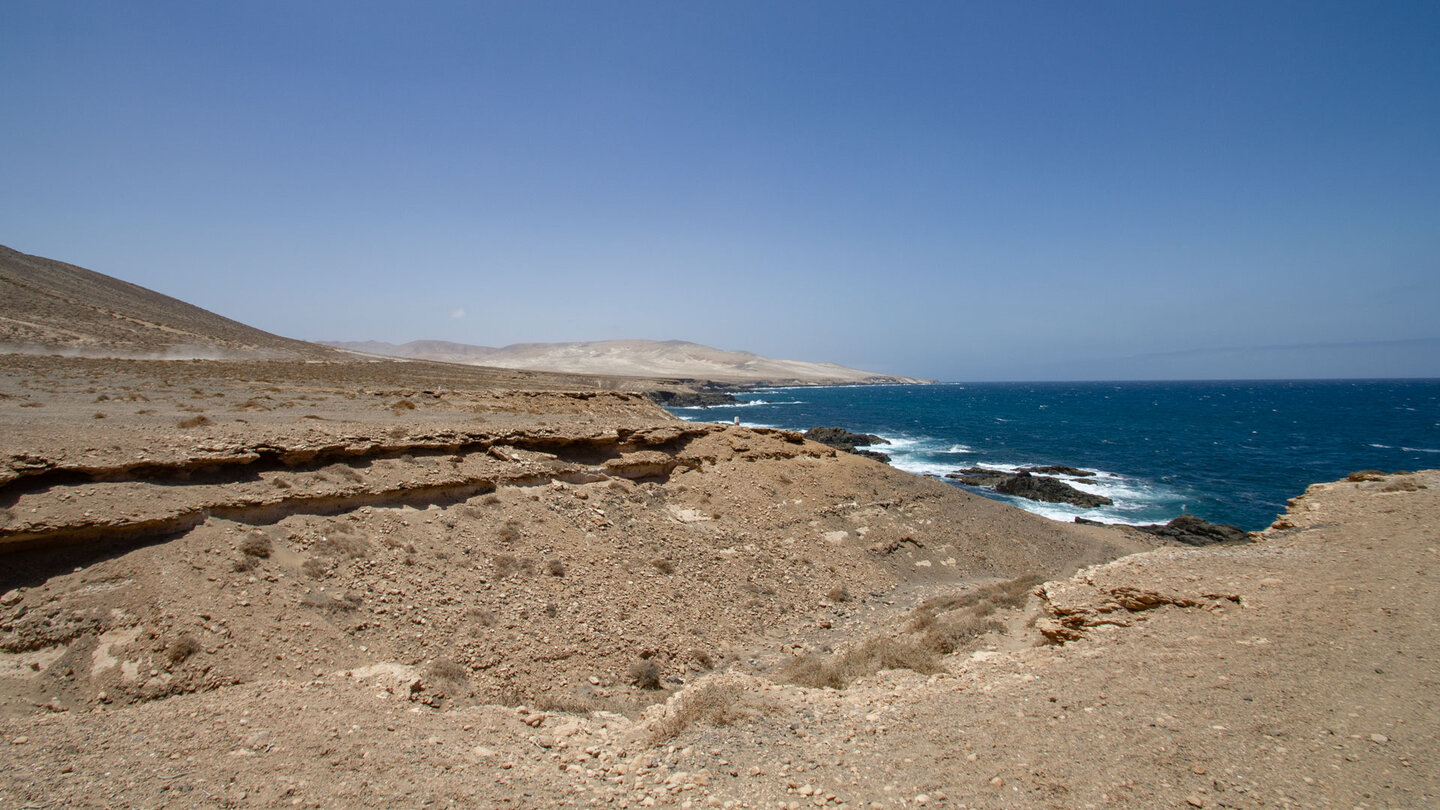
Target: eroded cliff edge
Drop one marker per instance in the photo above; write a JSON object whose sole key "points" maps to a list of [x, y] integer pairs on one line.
{"points": [[369, 591]]}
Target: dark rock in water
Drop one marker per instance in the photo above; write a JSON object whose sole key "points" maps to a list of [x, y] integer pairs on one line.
{"points": [[691, 399], [842, 439], [1035, 487], [978, 476], [1088, 522], [1195, 531], [1050, 490], [1059, 469]]}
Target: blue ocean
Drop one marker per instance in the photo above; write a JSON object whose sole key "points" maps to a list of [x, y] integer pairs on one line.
{"points": [[1230, 452]]}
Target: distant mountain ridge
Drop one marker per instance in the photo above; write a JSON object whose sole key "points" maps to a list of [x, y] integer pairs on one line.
{"points": [[631, 358]]}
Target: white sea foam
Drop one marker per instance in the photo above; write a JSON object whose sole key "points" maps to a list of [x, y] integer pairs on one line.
{"points": [[919, 467], [1419, 450], [958, 448]]}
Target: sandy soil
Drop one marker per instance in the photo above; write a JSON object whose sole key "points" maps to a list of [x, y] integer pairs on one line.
{"points": [[379, 584]]}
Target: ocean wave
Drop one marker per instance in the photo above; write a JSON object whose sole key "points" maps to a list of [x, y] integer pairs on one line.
{"points": [[749, 404], [1419, 450]]}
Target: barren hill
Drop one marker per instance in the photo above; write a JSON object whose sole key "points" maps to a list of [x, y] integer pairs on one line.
{"points": [[675, 359], [48, 307]]}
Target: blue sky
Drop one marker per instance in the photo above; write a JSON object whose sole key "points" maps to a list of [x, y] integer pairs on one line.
{"points": [[966, 191]]}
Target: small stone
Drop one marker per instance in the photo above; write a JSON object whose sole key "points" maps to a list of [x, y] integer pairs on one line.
{"points": [[20, 741], [997, 782], [594, 681], [11, 597], [1194, 801], [806, 790], [1379, 738], [922, 799]]}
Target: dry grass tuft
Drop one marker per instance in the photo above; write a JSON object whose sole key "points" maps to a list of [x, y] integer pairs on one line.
{"points": [[194, 421], [663, 565], [444, 669], [837, 594], [509, 532], [715, 700], [507, 565], [255, 545], [644, 674], [555, 568], [338, 544], [181, 649], [838, 670]]}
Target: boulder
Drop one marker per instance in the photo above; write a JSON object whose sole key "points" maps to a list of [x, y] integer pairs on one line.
{"points": [[691, 399], [1050, 490], [1059, 469], [1196, 531], [842, 439]]}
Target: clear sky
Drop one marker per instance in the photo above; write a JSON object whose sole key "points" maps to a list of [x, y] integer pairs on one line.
{"points": [[960, 190]]}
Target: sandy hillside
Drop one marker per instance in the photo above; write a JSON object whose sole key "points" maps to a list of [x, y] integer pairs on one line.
{"points": [[48, 306], [632, 358]]}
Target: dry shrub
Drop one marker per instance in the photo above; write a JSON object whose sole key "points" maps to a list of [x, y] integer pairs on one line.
{"points": [[1366, 475], [838, 670], [194, 421], [509, 532], [555, 568], [482, 617], [98, 415], [313, 568], [280, 483], [644, 674], [1008, 594], [839, 593], [507, 565], [402, 405], [444, 669], [714, 699], [181, 649], [339, 545], [490, 500], [947, 635], [255, 545], [663, 565]]}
